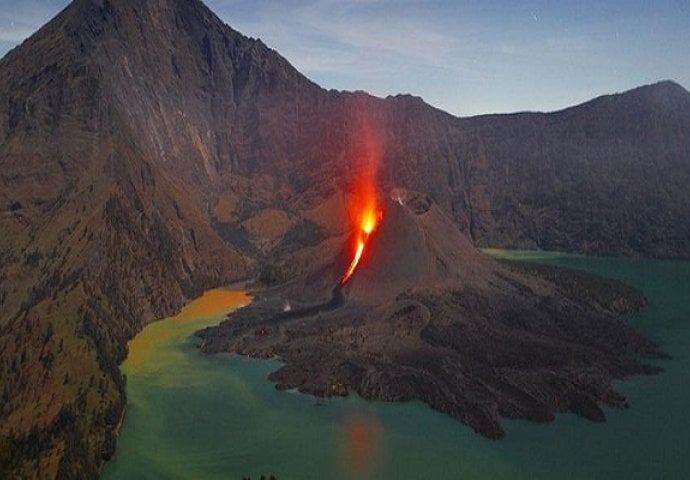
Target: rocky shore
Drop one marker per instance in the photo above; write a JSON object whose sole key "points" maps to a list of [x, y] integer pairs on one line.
{"points": [[472, 337]]}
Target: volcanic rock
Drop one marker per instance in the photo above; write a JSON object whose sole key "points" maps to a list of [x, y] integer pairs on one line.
{"points": [[428, 317]]}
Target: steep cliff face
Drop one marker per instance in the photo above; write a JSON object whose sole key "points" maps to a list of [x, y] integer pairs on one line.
{"points": [[99, 236], [606, 177], [148, 151]]}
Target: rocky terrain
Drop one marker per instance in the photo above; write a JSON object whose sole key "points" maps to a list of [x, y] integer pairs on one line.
{"points": [[573, 180], [148, 151], [428, 317]]}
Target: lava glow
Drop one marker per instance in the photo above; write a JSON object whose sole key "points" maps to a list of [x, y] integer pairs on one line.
{"points": [[364, 211], [370, 219]]}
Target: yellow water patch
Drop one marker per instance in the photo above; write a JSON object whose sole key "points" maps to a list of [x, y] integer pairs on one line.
{"points": [[195, 315], [212, 303]]}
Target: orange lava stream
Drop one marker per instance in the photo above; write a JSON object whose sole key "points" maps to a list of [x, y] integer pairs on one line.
{"points": [[355, 262], [368, 224], [364, 209]]}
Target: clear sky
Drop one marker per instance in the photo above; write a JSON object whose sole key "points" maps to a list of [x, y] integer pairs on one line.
{"points": [[466, 56]]}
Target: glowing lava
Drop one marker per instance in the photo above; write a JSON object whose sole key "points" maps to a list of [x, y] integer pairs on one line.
{"points": [[369, 221], [355, 262], [363, 209]]}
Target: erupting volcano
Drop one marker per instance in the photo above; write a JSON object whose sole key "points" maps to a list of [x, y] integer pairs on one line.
{"points": [[420, 313], [364, 210], [429, 317], [370, 219]]}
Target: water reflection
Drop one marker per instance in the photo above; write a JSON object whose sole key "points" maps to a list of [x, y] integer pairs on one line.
{"points": [[362, 437]]}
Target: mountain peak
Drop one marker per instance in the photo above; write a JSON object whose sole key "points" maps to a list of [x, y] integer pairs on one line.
{"points": [[666, 85], [135, 5], [666, 96], [665, 89]]}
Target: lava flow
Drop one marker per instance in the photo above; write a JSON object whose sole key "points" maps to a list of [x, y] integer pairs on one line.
{"points": [[364, 208], [370, 219]]}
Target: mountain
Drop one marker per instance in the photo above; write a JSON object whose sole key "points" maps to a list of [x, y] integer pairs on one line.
{"points": [[428, 317], [606, 177], [148, 152]]}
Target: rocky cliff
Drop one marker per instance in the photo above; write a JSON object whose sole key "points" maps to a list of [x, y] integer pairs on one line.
{"points": [[606, 177]]}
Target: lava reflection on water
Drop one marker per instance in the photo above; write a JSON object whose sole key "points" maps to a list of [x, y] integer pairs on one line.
{"points": [[362, 446]]}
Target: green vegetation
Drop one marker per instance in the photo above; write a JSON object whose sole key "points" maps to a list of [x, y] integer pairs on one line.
{"points": [[62, 391]]}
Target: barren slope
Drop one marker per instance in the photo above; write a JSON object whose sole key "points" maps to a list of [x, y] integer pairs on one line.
{"points": [[428, 317]]}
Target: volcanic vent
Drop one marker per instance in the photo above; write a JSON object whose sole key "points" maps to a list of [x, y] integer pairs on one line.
{"points": [[426, 316]]}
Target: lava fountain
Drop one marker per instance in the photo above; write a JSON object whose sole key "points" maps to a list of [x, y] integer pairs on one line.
{"points": [[364, 208], [370, 218]]}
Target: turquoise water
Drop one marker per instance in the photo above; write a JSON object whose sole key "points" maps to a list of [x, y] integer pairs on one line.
{"points": [[194, 416]]}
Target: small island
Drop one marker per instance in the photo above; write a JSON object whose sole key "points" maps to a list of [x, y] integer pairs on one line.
{"points": [[429, 317]]}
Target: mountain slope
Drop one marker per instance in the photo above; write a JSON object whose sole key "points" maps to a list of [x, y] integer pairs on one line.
{"points": [[148, 151], [99, 241], [606, 177]]}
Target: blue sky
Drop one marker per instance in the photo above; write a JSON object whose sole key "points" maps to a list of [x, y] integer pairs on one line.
{"points": [[466, 57]]}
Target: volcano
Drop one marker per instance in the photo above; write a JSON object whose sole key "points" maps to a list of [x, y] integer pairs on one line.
{"points": [[426, 316]]}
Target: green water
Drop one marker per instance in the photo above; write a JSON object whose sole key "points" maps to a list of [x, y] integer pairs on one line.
{"points": [[206, 417]]}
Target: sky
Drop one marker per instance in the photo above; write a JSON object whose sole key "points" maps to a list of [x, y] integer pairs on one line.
{"points": [[466, 57]]}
